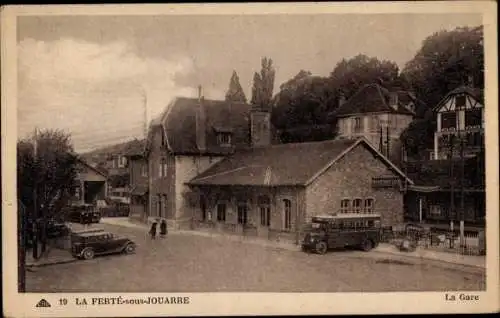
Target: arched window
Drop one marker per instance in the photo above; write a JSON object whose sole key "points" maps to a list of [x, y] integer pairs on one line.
{"points": [[287, 214], [369, 205], [221, 212], [264, 204], [356, 205], [345, 206], [203, 208]]}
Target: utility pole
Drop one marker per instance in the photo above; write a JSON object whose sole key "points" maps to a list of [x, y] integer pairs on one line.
{"points": [[452, 180], [388, 142], [145, 114], [35, 196], [381, 141], [21, 278], [462, 186]]}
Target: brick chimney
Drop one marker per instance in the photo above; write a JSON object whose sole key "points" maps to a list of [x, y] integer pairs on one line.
{"points": [[470, 81], [260, 127], [393, 100], [341, 99], [201, 120]]}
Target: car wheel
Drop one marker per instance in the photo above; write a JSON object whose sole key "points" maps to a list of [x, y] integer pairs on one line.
{"points": [[88, 253], [130, 248], [367, 245], [321, 248]]}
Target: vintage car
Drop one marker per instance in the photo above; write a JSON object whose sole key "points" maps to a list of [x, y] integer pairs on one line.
{"points": [[342, 230], [83, 214], [88, 244]]}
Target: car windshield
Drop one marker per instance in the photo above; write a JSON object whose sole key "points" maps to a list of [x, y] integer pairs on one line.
{"points": [[318, 226]]}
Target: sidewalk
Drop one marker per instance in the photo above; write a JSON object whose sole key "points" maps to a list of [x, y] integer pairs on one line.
{"points": [[53, 256], [458, 259], [420, 253]]}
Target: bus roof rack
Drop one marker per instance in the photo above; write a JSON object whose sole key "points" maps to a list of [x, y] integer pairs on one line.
{"points": [[347, 216]]}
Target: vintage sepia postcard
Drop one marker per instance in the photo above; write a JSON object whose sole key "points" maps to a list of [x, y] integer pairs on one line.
{"points": [[250, 159]]}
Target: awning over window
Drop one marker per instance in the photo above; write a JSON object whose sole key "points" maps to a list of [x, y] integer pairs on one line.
{"points": [[441, 189], [139, 190]]}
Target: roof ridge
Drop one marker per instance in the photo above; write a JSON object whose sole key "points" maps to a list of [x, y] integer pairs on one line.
{"points": [[307, 143], [379, 89]]}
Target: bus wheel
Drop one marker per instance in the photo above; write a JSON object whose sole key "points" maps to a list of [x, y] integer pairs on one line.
{"points": [[321, 248], [367, 245]]}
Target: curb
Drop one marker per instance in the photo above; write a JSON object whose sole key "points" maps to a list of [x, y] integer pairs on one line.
{"points": [[66, 261], [431, 259]]}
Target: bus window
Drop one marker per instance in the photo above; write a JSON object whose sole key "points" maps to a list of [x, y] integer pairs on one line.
{"points": [[334, 225], [347, 225]]}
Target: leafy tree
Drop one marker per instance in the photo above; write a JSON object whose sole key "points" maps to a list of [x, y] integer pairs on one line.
{"points": [[235, 92], [304, 106], [301, 108], [443, 63], [48, 166], [350, 75], [263, 85]]}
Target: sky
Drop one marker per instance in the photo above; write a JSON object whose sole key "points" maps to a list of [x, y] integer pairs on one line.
{"points": [[92, 75]]}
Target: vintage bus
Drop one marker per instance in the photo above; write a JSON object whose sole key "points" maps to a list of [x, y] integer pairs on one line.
{"points": [[341, 230]]}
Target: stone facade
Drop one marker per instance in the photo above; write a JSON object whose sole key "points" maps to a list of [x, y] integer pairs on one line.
{"points": [[372, 125], [351, 178], [291, 207], [285, 206]]}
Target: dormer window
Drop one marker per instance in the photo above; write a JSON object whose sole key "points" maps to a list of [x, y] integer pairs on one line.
{"points": [[122, 162], [224, 138], [224, 135]]}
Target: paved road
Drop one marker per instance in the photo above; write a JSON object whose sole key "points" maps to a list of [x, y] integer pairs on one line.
{"points": [[187, 263]]}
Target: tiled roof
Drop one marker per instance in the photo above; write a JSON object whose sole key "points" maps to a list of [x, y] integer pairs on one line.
{"points": [[85, 163], [373, 98], [134, 148], [101, 155], [179, 124], [287, 164]]}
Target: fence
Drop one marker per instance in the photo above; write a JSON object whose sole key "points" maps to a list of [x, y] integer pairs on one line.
{"points": [[439, 240]]}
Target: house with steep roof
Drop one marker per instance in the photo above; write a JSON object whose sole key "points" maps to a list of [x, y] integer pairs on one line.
{"points": [[459, 123], [274, 191], [451, 185], [379, 115], [190, 136]]}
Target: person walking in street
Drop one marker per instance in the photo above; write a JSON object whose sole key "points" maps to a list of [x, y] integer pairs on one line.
{"points": [[152, 231], [163, 228]]}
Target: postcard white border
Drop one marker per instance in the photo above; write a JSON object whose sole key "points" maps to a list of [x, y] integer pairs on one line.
{"points": [[216, 304]]}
